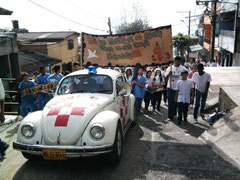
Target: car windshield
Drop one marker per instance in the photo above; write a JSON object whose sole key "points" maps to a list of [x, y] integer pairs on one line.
{"points": [[86, 84]]}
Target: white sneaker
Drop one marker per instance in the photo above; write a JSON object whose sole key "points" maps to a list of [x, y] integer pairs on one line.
{"points": [[168, 119]]}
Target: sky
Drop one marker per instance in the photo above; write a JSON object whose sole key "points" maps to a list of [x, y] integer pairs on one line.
{"points": [[91, 16]]}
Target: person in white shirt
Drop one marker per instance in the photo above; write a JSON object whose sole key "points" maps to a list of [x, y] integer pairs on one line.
{"points": [[201, 81], [184, 96], [148, 90], [128, 75], [173, 74], [158, 83], [213, 64]]}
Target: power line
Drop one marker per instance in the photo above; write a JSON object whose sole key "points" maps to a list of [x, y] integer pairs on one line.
{"points": [[90, 13], [68, 19]]}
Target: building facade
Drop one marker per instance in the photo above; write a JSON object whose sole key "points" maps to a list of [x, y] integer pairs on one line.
{"points": [[227, 35], [58, 45]]}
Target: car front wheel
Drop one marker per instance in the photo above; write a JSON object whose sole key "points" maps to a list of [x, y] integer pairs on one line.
{"points": [[116, 154]]}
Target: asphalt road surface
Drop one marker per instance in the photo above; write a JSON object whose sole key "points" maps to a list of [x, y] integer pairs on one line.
{"points": [[155, 149]]}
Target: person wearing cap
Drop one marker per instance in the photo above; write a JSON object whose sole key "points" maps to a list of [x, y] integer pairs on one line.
{"points": [[173, 74], [42, 79], [158, 83], [184, 96], [128, 75], [28, 101], [201, 81]]}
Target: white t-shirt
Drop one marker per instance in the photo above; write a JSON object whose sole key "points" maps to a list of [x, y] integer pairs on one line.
{"points": [[184, 90], [201, 81], [129, 80], [176, 75], [2, 93], [213, 65]]}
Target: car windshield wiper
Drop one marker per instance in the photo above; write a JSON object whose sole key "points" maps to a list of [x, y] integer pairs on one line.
{"points": [[102, 91], [74, 92]]}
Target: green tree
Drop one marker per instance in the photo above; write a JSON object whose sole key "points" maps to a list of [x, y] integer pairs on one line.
{"points": [[136, 20], [181, 42]]}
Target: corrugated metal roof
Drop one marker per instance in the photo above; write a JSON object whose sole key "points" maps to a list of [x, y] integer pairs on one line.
{"points": [[39, 43], [48, 36], [30, 61]]}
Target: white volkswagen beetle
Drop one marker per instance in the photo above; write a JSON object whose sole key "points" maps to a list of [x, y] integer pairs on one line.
{"points": [[89, 115]]}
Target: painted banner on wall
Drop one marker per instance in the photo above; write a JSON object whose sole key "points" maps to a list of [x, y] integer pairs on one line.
{"points": [[145, 47]]}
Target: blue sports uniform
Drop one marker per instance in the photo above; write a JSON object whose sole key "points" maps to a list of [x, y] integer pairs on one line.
{"points": [[28, 101], [43, 98], [56, 77]]}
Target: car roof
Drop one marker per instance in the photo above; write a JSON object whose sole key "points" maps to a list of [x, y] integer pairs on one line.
{"points": [[112, 73]]}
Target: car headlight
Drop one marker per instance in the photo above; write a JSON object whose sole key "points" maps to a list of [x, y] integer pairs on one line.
{"points": [[97, 132], [28, 130]]}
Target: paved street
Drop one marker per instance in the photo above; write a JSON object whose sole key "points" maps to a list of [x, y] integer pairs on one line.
{"points": [[155, 150]]}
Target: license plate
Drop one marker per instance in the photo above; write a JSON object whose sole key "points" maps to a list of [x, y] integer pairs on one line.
{"points": [[54, 154]]}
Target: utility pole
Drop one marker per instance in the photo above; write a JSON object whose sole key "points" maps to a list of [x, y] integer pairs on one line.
{"points": [[189, 32], [213, 29], [204, 2], [109, 25]]}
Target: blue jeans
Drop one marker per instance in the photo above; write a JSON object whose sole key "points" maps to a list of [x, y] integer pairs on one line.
{"points": [[138, 104], [43, 99], [200, 97], [28, 102], [172, 105]]}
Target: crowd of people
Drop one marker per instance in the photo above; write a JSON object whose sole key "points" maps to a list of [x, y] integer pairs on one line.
{"points": [[176, 85]]}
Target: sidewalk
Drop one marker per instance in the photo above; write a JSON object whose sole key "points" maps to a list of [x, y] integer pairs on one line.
{"points": [[9, 120]]}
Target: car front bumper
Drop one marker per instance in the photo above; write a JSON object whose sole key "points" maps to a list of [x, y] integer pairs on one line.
{"points": [[71, 151]]}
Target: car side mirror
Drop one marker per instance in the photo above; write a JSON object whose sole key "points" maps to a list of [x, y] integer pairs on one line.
{"points": [[124, 89], [123, 92]]}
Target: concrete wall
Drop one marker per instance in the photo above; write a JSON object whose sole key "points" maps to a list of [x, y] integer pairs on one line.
{"points": [[236, 59], [5, 70], [224, 135], [8, 45], [226, 103]]}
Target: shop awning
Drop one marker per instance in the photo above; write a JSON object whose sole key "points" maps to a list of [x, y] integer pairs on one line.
{"points": [[196, 48]]}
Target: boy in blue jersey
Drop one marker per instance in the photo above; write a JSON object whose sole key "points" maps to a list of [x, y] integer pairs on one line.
{"points": [[139, 88], [57, 76], [42, 79], [28, 101]]}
